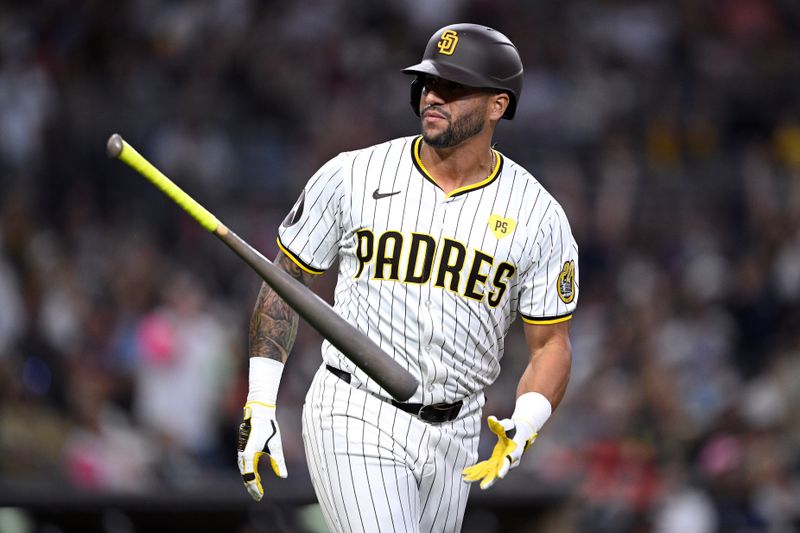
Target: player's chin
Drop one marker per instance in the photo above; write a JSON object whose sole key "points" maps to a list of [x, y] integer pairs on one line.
{"points": [[433, 136]]}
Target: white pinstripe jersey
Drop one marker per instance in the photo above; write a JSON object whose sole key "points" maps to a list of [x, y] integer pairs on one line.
{"points": [[435, 279]]}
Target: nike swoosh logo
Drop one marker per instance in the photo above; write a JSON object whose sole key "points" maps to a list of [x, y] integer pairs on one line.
{"points": [[378, 195]]}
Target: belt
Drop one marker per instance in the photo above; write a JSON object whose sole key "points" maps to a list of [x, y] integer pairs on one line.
{"points": [[435, 413]]}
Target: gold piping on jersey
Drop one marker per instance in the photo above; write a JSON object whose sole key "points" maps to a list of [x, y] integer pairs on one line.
{"points": [[498, 165], [545, 320], [297, 261]]}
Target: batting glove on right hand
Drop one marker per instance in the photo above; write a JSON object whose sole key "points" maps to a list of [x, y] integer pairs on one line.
{"points": [[259, 435], [514, 436]]}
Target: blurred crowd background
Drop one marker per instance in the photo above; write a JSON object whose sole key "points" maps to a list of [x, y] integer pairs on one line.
{"points": [[669, 131]]}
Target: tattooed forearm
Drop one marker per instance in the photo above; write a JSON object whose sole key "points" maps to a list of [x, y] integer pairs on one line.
{"points": [[273, 325]]}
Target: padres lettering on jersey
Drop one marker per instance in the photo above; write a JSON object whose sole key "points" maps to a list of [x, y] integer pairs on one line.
{"points": [[435, 279], [413, 259]]}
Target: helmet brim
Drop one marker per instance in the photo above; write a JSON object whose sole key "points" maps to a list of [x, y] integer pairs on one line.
{"points": [[454, 74], [446, 72]]}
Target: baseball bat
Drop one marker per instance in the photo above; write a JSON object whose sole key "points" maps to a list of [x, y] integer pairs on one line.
{"points": [[353, 343]]}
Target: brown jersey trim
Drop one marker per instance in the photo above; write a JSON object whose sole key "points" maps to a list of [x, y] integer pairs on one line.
{"points": [[296, 260], [546, 319]]}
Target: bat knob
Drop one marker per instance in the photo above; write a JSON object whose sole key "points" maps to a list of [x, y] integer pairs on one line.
{"points": [[114, 146]]}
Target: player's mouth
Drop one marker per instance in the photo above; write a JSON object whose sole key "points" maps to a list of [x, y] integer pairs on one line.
{"points": [[433, 116]]}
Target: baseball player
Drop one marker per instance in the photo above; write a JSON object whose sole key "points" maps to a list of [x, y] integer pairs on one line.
{"points": [[441, 242]]}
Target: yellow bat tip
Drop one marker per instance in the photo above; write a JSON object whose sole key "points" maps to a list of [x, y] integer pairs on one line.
{"points": [[114, 146]]}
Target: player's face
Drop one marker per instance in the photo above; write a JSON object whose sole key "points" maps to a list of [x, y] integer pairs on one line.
{"points": [[450, 112]]}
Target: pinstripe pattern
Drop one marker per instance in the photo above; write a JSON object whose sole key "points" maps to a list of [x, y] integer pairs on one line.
{"points": [[451, 343], [374, 467]]}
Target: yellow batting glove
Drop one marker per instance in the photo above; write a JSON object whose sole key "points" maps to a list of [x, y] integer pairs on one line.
{"points": [[513, 438], [259, 435]]}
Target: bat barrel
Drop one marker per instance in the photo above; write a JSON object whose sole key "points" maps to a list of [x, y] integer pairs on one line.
{"points": [[353, 343]]}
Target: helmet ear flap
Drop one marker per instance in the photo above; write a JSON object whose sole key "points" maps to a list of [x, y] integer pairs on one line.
{"points": [[416, 92]]}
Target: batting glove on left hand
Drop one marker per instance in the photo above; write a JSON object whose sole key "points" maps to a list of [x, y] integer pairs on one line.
{"points": [[514, 436], [259, 435]]}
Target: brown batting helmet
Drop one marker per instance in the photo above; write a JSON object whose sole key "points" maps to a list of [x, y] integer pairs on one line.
{"points": [[472, 55]]}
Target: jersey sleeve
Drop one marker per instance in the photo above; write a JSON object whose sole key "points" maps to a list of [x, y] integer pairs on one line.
{"points": [[549, 289], [311, 231]]}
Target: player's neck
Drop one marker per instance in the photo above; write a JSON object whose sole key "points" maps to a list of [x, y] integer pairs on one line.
{"points": [[466, 164]]}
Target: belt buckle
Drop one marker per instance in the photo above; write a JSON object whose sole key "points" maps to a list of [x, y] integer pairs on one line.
{"points": [[435, 412]]}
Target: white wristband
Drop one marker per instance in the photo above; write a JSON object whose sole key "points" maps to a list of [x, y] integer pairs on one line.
{"points": [[534, 409], [265, 378]]}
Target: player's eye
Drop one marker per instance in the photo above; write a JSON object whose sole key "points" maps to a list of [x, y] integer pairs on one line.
{"points": [[444, 88], [429, 84]]}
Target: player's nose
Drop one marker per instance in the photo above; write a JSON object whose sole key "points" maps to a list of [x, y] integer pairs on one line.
{"points": [[431, 97]]}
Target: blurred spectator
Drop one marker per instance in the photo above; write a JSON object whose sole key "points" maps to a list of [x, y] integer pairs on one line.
{"points": [[668, 130], [104, 451], [184, 366], [12, 314], [27, 99]]}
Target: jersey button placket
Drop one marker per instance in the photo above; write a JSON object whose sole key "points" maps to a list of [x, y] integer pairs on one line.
{"points": [[431, 304], [427, 363], [425, 360]]}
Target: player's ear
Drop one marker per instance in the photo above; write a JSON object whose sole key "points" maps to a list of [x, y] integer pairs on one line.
{"points": [[498, 103]]}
